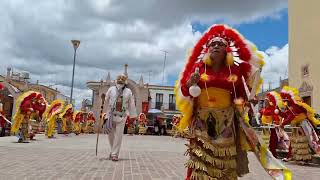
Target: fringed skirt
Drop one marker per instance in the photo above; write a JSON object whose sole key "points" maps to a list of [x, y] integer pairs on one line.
{"points": [[131, 129], [90, 127], [142, 129], [300, 145], [212, 148]]}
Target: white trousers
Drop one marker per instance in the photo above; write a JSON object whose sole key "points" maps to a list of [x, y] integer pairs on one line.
{"points": [[115, 135]]}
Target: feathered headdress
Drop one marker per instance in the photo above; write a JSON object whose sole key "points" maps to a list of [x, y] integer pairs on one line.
{"points": [[290, 94], [21, 100], [55, 108], [237, 46], [66, 109], [275, 99]]}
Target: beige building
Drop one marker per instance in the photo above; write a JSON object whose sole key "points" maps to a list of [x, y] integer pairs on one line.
{"points": [[146, 96], [304, 56], [17, 83]]}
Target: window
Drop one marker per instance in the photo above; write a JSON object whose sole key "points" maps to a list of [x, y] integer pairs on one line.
{"points": [[172, 98], [172, 102], [159, 100], [159, 97], [305, 70]]}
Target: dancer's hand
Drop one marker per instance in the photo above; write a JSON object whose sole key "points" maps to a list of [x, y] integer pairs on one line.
{"points": [[194, 78]]}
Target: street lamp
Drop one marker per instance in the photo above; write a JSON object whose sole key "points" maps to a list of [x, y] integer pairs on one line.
{"points": [[75, 44]]}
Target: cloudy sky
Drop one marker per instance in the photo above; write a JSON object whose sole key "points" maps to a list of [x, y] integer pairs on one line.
{"points": [[35, 37]]}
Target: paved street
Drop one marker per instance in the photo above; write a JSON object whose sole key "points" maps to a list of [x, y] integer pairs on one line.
{"points": [[73, 157]]}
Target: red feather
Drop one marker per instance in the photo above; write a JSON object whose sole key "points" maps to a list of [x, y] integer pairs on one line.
{"points": [[245, 69], [217, 31]]}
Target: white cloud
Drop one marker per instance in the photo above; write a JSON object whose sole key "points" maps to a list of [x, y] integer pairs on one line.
{"points": [[35, 36], [276, 66]]}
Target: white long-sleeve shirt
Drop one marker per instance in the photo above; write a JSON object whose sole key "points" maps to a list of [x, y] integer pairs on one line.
{"points": [[129, 104]]}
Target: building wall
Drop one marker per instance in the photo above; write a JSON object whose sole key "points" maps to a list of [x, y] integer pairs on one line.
{"points": [[48, 93], [140, 94], [165, 93], [304, 35], [7, 102]]}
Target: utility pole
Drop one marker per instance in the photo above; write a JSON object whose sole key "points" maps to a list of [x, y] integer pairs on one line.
{"points": [[164, 64]]}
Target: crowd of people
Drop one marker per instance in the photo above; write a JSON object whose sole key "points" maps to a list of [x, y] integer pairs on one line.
{"points": [[33, 112]]}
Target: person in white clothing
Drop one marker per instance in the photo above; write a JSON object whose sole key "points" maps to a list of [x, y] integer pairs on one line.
{"points": [[119, 104]]}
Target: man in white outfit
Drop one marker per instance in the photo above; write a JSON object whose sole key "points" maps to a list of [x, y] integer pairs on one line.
{"points": [[119, 104]]}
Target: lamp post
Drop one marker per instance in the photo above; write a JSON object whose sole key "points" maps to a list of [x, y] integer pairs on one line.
{"points": [[75, 44]]}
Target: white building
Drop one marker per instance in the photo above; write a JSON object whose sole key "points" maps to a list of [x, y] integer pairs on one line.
{"points": [[163, 98]]}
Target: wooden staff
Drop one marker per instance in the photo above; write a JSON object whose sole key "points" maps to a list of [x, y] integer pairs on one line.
{"points": [[100, 121]]}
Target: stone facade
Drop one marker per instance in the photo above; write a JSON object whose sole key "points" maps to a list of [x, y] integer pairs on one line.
{"points": [[139, 91]]}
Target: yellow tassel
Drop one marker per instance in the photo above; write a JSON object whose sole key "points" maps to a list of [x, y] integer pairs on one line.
{"points": [[229, 59], [207, 60], [204, 77], [186, 108], [18, 118]]}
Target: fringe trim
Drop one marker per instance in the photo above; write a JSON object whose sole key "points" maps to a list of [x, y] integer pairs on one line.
{"points": [[224, 163], [301, 139], [301, 151], [200, 168], [299, 145], [200, 175], [302, 157], [198, 165], [219, 150]]}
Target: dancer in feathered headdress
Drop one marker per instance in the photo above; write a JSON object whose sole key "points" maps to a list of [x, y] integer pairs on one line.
{"points": [[91, 120], [67, 119], [52, 114], [213, 90], [28, 104], [304, 141], [272, 133]]}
